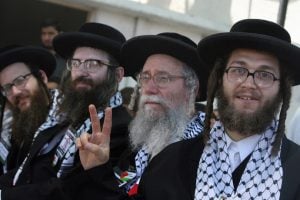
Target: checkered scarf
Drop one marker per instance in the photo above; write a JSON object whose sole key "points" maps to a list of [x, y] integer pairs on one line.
{"points": [[5, 137], [261, 179]]}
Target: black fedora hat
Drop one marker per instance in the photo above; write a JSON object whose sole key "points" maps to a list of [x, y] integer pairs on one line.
{"points": [[136, 51], [38, 56], [96, 35], [254, 34]]}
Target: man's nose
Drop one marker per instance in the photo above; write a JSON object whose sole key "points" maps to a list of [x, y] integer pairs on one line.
{"points": [[249, 82]]}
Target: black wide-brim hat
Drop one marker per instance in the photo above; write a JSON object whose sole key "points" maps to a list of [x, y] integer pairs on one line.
{"points": [[37, 56], [254, 34], [95, 35], [136, 51]]}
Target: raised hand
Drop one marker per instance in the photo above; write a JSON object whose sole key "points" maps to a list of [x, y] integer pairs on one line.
{"points": [[94, 148]]}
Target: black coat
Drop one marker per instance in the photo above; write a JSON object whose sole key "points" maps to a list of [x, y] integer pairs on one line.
{"points": [[38, 180], [172, 174]]}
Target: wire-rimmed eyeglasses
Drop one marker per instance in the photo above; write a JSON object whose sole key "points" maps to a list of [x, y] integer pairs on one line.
{"points": [[159, 79]]}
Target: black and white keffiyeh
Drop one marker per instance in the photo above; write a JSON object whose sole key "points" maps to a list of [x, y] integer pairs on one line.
{"points": [[65, 153], [193, 129], [5, 137], [53, 118], [261, 179]]}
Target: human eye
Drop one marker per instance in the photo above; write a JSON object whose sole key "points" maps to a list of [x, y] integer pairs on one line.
{"points": [[19, 81], [238, 70], [263, 75], [93, 64], [144, 77], [75, 63], [162, 78]]}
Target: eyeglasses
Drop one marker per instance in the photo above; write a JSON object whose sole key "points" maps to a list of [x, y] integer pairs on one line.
{"points": [[262, 79], [18, 82], [160, 79], [89, 65]]}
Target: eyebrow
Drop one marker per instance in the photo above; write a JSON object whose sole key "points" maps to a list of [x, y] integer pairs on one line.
{"points": [[261, 67], [157, 72]]}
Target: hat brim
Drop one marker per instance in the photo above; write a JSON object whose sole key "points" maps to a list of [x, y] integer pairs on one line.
{"points": [[40, 57], [214, 46], [66, 43], [136, 51]]}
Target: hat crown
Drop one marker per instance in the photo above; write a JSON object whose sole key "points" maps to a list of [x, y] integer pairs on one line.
{"points": [[8, 48], [179, 37], [103, 30], [262, 27]]}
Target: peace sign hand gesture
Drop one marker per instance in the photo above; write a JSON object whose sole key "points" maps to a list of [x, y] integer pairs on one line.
{"points": [[94, 148]]}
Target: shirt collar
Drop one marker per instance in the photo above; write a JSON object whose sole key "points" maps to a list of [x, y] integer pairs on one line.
{"points": [[244, 146]]}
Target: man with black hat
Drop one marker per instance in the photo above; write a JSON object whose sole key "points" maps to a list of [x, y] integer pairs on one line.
{"points": [[246, 154], [24, 72], [170, 77], [93, 55]]}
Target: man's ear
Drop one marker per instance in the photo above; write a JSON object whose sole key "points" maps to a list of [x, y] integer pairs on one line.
{"points": [[43, 76], [119, 73]]}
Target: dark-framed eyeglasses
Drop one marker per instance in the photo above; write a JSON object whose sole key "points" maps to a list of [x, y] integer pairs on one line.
{"points": [[159, 79], [19, 82], [89, 65], [261, 78]]}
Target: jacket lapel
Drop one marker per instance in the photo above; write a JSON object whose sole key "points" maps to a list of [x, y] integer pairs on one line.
{"points": [[190, 165], [290, 156], [44, 137]]}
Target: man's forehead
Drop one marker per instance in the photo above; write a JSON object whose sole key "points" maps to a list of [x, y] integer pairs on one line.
{"points": [[162, 63], [91, 51], [49, 29], [264, 59], [16, 67], [10, 72]]}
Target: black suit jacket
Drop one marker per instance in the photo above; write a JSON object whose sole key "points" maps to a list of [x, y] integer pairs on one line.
{"points": [[172, 174], [38, 180]]}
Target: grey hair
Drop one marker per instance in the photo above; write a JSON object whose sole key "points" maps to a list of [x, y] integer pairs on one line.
{"points": [[192, 86]]}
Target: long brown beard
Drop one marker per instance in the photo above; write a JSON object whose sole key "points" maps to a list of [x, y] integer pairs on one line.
{"points": [[75, 103], [245, 123], [26, 123]]}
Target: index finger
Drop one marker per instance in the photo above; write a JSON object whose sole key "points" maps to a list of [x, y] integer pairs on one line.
{"points": [[96, 127]]}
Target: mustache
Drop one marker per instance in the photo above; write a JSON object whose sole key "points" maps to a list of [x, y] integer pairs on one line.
{"points": [[153, 98], [19, 97], [251, 93], [82, 79]]}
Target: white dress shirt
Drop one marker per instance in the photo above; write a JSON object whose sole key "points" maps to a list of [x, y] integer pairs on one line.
{"points": [[239, 150]]}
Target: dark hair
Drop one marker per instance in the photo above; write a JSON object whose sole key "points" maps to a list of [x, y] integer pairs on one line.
{"points": [[285, 91], [215, 81], [35, 70], [126, 94], [51, 22]]}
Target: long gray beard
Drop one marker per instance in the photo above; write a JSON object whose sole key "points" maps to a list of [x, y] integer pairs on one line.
{"points": [[157, 130]]}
